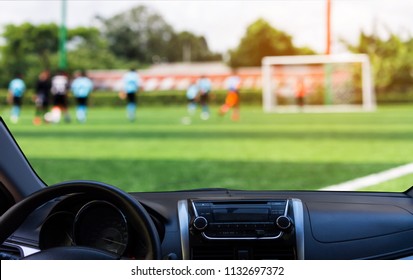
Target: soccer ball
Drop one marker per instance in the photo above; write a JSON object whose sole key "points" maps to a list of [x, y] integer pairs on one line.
{"points": [[204, 116], [186, 120], [53, 116]]}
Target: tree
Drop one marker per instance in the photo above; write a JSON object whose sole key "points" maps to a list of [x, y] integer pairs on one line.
{"points": [[391, 60], [25, 39], [27, 47], [142, 35], [195, 46], [88, 50], [31, 48], [139, 34], [261, 39]]}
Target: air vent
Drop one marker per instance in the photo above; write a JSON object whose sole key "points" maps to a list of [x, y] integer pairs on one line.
{"points": [[9, 253], [234, 253], [273, 254], [213, 253]]}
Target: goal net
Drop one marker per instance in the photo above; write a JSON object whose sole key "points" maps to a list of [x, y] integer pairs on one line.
{"points": [[317, 83]]}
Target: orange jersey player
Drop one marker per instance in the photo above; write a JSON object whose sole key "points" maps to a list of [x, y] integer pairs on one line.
{"points": [[232, 99]]}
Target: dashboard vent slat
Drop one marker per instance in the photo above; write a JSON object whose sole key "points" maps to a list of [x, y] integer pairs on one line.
{"points": [[231, 253], [212, 253], [9, 253]]}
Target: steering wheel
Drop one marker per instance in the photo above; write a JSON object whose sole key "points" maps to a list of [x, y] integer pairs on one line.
{"points": [[135, 213]]}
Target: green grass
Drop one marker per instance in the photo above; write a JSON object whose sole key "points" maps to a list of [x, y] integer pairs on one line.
{"points": [[262, 151]]}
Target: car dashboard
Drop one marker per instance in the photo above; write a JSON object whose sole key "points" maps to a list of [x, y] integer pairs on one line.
{"points": [[229, 224]]}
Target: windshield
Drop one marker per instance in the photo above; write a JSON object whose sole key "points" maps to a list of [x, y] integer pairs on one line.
{"points": [[173, 95]]}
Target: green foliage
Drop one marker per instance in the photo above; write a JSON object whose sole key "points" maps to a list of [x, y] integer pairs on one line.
{"points": [[89, 50], [391, 60], [31, 48], [196, 46], [26, 45], [138, 34], [178, 98], [153, 98], [143, 36], [260, 40]]}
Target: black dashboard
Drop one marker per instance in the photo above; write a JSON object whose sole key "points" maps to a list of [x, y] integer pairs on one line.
{"points": [[230, 224], [325, 225]]}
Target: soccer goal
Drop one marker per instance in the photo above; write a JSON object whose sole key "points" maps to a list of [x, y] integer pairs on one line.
{"points": [[317, 83]]}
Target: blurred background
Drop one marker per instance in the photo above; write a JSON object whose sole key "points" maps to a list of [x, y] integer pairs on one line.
{"points": [[172, 43]]}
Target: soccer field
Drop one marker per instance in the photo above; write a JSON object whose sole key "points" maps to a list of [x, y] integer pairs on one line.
{"points": [[261, 151]]}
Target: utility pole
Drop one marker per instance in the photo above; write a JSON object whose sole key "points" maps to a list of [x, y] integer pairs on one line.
{"points": [[62, 37], [328, 30], [328, 96]]}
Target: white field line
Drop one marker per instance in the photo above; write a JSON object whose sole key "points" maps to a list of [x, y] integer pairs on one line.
{"points": [[372, 179]]}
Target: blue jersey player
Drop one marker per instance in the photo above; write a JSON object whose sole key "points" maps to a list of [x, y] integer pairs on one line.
{"points": [[17, 87], [81, 88], [131, 86]]}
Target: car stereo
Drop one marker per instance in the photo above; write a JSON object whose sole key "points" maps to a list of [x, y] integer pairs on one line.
{"points": [[241, 219]]}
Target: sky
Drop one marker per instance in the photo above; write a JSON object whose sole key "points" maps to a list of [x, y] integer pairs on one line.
{"points": [[224, 22]]}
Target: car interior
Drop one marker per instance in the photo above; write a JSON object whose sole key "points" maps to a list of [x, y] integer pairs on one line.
{"points": [[79, 220]]}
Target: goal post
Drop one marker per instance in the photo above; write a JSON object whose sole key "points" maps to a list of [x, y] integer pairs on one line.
{"points": [[319, 83]]}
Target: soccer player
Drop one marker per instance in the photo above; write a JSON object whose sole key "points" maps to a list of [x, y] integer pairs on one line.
{"points": [[300, 92], [233, 84], [191, 95], [131, 86], [81, 88], [60, 88], [17, 87], [204, 86], [42, 96]]}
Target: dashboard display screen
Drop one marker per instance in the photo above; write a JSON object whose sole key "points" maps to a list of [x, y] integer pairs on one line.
{"points": [[233, 214]]}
